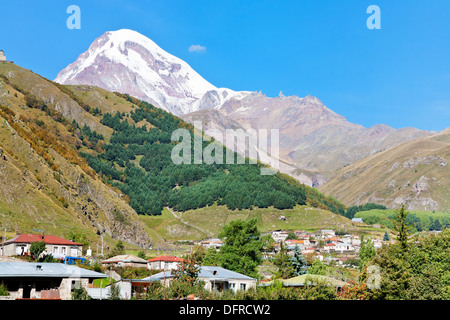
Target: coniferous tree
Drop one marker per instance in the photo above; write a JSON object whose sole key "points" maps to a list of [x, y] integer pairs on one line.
{"points": [[402, 228], [299, 263], [283, 262]]}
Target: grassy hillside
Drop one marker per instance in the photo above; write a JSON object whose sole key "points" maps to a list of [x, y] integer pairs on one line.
{"points": [[208, 221], [422, 220], [415, 173]]}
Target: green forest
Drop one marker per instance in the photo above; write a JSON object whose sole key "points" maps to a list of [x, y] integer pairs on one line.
{"points": [[137, 160]]}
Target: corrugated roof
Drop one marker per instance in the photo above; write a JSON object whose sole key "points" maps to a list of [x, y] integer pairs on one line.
{"points": [[45, 270], [49, 239], [125, 258], [206, 272]]}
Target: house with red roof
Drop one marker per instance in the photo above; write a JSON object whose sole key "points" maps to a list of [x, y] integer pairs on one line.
{"points": [[56, 246], [164, 263]]}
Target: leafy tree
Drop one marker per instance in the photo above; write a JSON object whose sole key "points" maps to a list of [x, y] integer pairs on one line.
{"points": [[318, 268], [3, 289], [141, 254], [318, 290], [80, 294], [36, 248], [242, 247], [185, 278], [366, 252], [187, 270], [291, 236], [299, 262], [119, 249]]}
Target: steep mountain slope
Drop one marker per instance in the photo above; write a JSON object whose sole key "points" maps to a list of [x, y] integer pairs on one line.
{"points": [[46, 185], [415, 173], [314, 140]]}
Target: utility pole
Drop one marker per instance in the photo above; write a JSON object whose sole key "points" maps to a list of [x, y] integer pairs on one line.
{"points": [[4, 237]]}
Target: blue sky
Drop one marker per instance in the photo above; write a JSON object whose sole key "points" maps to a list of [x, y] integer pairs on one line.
{"points": [[398, 75]]}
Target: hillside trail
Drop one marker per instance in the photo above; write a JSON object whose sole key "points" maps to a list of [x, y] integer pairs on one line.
{"points": [[179, 218]]}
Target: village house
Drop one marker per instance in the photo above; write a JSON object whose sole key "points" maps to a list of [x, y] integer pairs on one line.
{"points": [[56, 246], [164, 263], [215, 278], [212, 243], [33, 280], [291, 244], [343, 247], [279, 235], [326, 233], [329, 247]]}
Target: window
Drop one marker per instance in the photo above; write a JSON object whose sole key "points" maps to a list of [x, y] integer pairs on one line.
{"points": [[55, 249], [243, 286]]}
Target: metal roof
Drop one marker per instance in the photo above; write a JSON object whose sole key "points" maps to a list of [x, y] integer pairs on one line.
{"points": [[45, 270], [206, 272], [48, 239], [125, 258]]}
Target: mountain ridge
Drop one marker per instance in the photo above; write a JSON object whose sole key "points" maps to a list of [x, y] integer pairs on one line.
{"points": [[314, 140]]}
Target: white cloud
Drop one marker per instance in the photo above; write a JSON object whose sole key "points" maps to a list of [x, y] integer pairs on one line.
{"points": [[197, 48]]}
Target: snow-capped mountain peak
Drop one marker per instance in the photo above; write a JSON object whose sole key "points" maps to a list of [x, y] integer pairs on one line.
{"points": [[129, 62]]}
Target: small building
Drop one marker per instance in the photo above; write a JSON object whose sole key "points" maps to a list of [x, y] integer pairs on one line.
{"points": [[329, 247], [326, 233], [212, 243], [125, 260], [215, 278], [34, 280], [279, 235], [56, 246], [343, 247], [164, 263], [2, 56], [359, 220]]}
